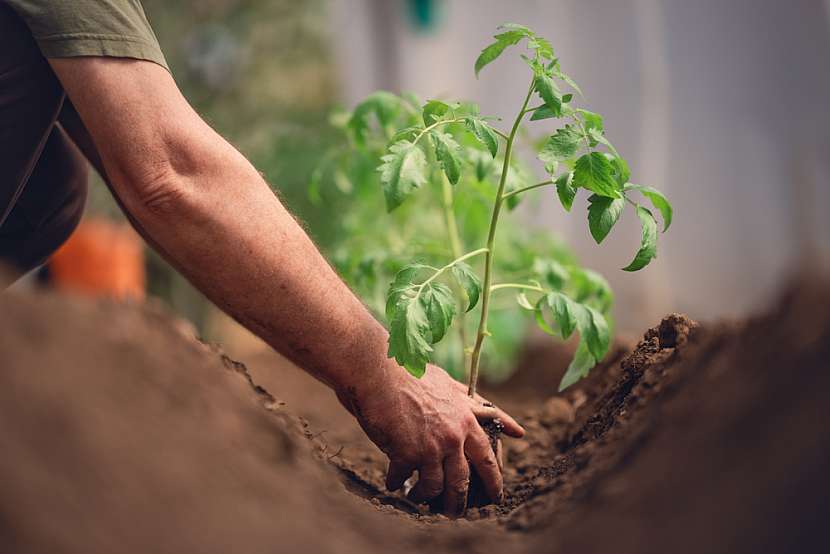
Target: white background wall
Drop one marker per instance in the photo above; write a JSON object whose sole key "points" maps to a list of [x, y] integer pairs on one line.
{"points": [[722, 104]]}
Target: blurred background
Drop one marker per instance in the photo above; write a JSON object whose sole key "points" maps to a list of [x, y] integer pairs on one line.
{"points": [[721, 104]]}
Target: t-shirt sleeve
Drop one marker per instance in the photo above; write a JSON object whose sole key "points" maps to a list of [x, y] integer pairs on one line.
{"points": [[71, 28]]}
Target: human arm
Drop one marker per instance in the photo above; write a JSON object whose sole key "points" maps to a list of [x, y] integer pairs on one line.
{"points": [[213, 217]]}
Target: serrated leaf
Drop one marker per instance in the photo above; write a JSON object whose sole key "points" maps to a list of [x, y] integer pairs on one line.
{"points": [[543, 112], [603, 213], [657, 199], [579, 367], [561, 146], [621, 172], [542, 46], [403, 170], [484, 133], [597, 136], [402, 282], [593, 172], [648, 244], [511, 36], [591, 120], [439, 306], [446, 152], [408, 332], [565, 190], [549, 93], [433, 111], [469, 281]]}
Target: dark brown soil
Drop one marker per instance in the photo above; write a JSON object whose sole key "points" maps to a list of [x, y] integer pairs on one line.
{"points": [[120, 433]]}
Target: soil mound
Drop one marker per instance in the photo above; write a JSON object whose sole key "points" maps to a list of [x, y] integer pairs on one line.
{"points": [[122, 433]]}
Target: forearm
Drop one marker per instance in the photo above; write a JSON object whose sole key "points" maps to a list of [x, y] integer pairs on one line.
{"points": [[209, 212], [229, 234]]}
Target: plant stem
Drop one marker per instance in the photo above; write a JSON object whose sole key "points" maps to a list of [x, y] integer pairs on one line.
{"points": [[491, 240], [429, 128], [455, 245], [448, 266], [525, 189], [516, 286]]}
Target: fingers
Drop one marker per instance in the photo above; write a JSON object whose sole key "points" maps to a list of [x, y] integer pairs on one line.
{"points": [[484, 461], [430, 482], [456, 484], [397, 475], [483, 412]]}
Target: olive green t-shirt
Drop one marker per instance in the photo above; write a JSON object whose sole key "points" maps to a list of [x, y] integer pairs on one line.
{"points": [[71, 28]]}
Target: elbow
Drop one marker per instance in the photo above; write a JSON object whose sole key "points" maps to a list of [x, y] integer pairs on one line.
{"points": [[159, 191]]}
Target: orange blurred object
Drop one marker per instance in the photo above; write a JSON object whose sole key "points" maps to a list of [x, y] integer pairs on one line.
{"points": [[101, 258]]}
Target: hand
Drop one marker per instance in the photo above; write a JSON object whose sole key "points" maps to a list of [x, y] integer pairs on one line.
{"points": [[431, 425]]}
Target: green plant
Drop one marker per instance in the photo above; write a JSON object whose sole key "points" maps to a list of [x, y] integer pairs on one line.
{"points": [[422, 300]]}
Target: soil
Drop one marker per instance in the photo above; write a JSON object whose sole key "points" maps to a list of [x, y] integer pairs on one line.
{"points": [[122, 433]]}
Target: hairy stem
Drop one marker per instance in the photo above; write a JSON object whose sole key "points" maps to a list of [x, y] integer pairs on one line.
{"points": [[455, 245], [491, 240]]}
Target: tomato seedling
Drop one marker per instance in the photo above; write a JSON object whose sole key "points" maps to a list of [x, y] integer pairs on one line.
{"points": [[469, 163]]}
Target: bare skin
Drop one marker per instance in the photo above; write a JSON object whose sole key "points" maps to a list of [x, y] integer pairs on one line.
{"points": [[199, 202]]}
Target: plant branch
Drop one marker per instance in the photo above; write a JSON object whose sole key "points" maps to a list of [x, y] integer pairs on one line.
{"points": [[525, 189], [448, 266], [429, 128], [516, 286], [491, 240]]}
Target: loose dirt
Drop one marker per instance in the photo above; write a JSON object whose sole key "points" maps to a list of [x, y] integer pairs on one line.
{"points": [[120, 432]]}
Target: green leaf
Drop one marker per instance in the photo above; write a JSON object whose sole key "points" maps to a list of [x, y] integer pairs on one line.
{"points": [[383, 105], [549, 93], [446, 151], [565, 190], [542, 46], [400, 285], [621, 172], [603, 213], [591, 120], [551, 271], [571, 83], [468, 280], [512, 35], [403, 170], [593, 172], [543, 112], [408, 333], [597, 136], [598, 337], [539, 315], [657, 199], [566, 313], [439, 305], [407, 133], [484, 133], [434, 110], [561, 146], [579, 367], [648, 245]]}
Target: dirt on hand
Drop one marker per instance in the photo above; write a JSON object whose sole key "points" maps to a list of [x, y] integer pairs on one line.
{"points": [[122, 433]]}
